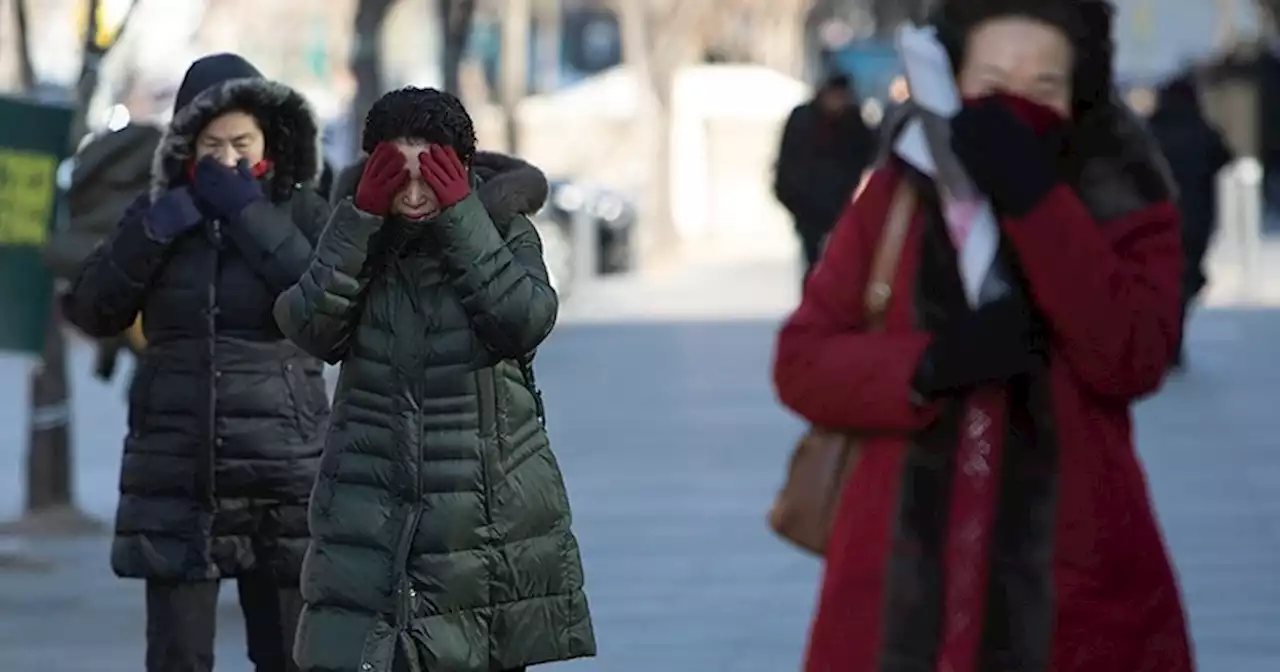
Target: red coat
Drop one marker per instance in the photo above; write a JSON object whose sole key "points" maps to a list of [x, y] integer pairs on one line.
{"points": [[1071, 574]]}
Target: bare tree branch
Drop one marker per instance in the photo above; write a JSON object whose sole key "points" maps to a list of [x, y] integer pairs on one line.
{"points": [[27, 70], [514, 69], [91, 65], [456, 17], [366, 59]]}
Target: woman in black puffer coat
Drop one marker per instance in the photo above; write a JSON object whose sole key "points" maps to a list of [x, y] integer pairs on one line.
{"points": [[226, 416]]}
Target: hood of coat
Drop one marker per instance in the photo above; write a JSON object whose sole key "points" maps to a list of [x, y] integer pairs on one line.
{"points": [[1113, 162], [506, 186], [292, 134]]}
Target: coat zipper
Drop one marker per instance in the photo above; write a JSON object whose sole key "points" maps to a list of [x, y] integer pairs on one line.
{"points": [[211, 315], [486, 412], [405, 593], [487, 418]]}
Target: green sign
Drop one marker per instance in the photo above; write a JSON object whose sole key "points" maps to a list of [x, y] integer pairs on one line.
{"points": [[33, 141]]}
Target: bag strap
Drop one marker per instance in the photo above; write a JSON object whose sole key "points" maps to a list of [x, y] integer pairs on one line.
{"points": [[888, 251]]}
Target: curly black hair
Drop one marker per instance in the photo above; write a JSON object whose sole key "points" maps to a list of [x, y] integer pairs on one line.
{"points": [[1086, 24], [425, 114]]}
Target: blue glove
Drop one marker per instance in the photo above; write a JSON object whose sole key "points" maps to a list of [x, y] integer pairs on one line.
{"points": [[227, 191], [172, 214]]}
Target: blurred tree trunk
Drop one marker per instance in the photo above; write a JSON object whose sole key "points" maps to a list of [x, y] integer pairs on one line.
{"points": [[366, 61], [50, 505], [1269, 13], [1268, 10], [770, 33], [782, 25], [548, 19], [513, 86], [658, 38], [456, 17], [26, 68]]}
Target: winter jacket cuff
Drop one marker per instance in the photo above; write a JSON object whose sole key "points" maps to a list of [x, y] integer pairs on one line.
{"points": [[466, 232], [137, 251], [271, 242], [344, 244]]}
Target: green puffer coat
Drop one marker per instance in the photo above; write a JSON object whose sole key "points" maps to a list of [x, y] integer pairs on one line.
{"points": [[439, 522]]}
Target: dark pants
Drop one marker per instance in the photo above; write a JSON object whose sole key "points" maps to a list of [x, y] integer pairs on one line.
{"points": [[182, 620], [1180, 351], [811, 244]]}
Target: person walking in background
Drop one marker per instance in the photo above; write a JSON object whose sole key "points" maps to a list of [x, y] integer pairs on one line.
{"points": [[826, 146], [997, 517], [110, 171], [324, 185], [440, 524], [225, 415], [1196, 153]]}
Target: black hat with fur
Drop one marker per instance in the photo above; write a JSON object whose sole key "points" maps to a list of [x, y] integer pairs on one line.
{"points": [[221, 83]]}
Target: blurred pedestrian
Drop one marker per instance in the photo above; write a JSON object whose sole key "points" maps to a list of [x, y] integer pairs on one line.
{"points": [[1196, 153], [440, 525], [225, 415], [110, 171], [998, 517], [825, 148], [324, 186]]}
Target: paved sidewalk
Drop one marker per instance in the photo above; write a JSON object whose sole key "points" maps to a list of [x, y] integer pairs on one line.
{"points": [[672, 446]]}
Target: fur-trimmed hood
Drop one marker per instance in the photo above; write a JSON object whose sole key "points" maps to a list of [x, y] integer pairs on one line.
{"points": [[507, 186], [1112, 161], [292, 134]]}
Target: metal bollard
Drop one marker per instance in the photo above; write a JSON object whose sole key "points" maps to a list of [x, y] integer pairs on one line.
{"points": [[586, 248], [1240, 212], [1249, 213]]}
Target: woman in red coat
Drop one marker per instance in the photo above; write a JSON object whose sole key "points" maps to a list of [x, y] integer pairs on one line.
{"points": [[999, 521]]}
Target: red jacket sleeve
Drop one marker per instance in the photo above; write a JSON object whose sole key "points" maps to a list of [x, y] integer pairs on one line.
{"points": [[1110, 291], [827, 367]]}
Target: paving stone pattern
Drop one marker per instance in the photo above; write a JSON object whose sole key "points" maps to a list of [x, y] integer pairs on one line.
{"points": [[672, 446]]}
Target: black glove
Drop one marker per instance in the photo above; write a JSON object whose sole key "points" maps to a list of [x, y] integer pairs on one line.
{"points": [[1004, 156], [171, 214], [998, 341], [228, 191]]}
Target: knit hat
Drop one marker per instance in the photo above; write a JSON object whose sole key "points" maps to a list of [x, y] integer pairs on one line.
{"points": [[209, 72]]}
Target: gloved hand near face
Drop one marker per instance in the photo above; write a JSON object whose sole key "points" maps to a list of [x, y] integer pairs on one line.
{"points": [[385, 174], [227, 191], [444, 173], [1003, 142], [992, 344]]}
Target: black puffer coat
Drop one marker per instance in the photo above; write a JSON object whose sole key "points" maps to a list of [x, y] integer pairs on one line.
{"points": [[226, 416]]}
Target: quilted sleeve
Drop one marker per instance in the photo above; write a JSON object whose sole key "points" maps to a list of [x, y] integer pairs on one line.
{"points": [[319, 312]]}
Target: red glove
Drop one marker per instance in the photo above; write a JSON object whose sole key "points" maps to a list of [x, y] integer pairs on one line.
{"points": [[383, 177], [445, 174]]}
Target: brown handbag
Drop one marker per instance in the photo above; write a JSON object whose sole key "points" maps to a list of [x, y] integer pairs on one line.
{"points": [[804, 509]]}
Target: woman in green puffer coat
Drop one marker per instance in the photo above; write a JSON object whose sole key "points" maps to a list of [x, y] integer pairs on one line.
{"points": [[439, 522]]}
